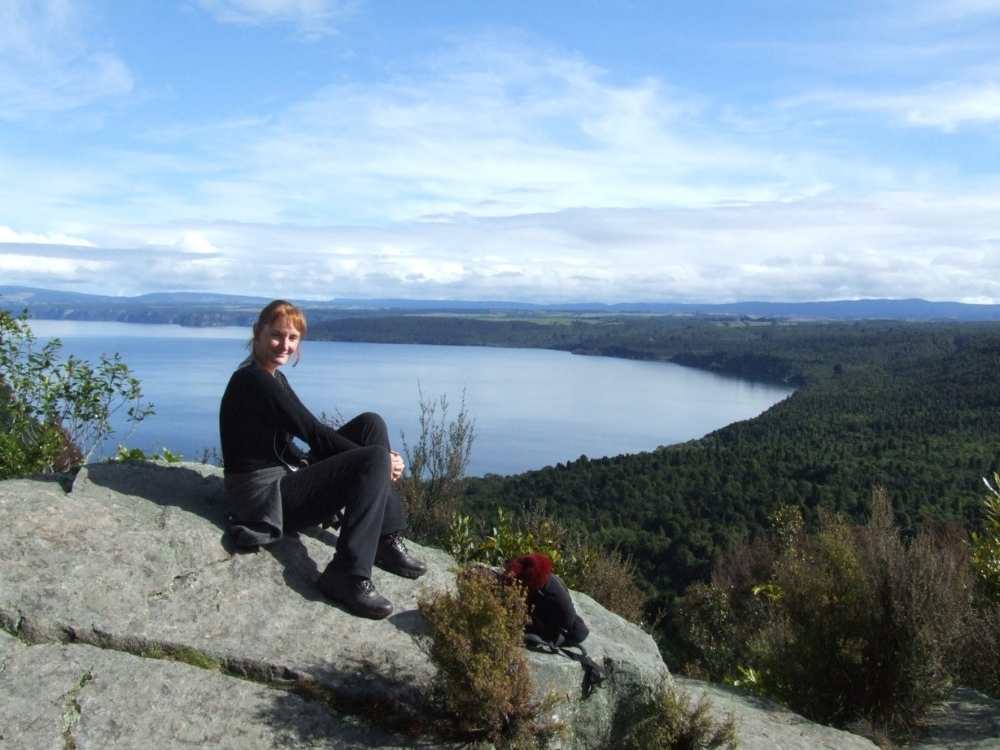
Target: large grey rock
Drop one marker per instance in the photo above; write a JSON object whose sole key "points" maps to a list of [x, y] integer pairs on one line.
{"points": [[133, 559], [968, 720], [764, 725], [58, 696]]}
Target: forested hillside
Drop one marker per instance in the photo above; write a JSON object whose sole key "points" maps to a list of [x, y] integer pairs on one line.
{"points": [[913, 407]]}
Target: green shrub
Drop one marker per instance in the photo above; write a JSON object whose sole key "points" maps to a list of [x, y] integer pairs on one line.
{"points": [[712, 642], [668, 721], [432, 488], [979, 657], [54, 414], [985, 550], [124, 453], [606, 575], [508, 537], [610, 577], [846, 623], [979, 654], [718, 622], [476, 645]]}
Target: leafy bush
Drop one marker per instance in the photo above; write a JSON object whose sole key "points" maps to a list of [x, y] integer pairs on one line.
{"points": [[979, 655], [506, 538], [668, 721], [432, 489], [717, 622], [607, 576], [979, 658], [986, 545], [124, 454], [850, 623], [476, 644], [54, 414], [610, 578]]}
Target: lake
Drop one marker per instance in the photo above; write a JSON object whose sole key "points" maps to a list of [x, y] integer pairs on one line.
{"points": [[532, 407]]}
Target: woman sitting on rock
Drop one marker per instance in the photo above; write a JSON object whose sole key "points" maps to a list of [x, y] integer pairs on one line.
{"points": [[274, 488]]}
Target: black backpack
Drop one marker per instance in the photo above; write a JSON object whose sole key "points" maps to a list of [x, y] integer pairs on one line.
{"points": [[556, 628]]}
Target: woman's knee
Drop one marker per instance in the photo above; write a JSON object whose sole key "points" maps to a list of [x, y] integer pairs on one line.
{"points": [[375, 427]]}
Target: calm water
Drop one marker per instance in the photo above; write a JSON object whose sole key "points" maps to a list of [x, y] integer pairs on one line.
{"points": [[532, 407]]}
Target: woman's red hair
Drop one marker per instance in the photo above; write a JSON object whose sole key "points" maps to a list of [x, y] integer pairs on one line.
{"points": [[279, 308], [532, 571], [274, 310]]}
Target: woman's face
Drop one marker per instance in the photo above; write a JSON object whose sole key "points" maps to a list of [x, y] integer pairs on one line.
{"points": [[275, 343]]}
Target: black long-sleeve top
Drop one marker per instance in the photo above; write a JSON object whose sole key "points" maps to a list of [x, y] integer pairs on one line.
{"points": [[260, 414]]}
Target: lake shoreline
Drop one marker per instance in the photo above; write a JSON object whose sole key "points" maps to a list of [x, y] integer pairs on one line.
{"points": [[534, 406]]}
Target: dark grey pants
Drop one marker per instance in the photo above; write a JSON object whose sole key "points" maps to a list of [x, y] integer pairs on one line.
{"points": [[358, 481]]}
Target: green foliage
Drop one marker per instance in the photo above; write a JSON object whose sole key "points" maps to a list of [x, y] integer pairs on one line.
{"points": [[506, 538], [850, 622], [668, 721], [914, 410], [979, 656], [165, 455], [476, 645], [985, 552], [608, 576], [432, 489], [54, 413], [712, 636]]}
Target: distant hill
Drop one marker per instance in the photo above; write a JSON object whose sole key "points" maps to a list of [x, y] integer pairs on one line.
{"points": [[206, 308]]}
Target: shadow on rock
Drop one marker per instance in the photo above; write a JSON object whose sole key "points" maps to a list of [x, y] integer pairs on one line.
{"points": [[299, 570], [412, 623], [378, 711], [196, 490]]}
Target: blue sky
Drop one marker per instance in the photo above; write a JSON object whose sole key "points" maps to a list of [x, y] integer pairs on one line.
{"points": [[502, 150]]}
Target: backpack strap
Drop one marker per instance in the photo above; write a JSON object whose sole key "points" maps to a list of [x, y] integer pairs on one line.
{"points": [[593, 675]]}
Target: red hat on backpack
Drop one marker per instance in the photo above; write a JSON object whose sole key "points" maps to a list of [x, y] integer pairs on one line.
{"points": [[532, 570]]}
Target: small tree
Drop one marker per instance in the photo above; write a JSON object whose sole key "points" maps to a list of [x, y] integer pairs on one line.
{"points": [[476, 644], [54, 414], [667, 720], [986, 545], [437, 462], [979, 657], [849, 622]]}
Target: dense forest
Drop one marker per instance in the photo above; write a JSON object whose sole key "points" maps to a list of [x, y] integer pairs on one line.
{"points": [[914, 407]]}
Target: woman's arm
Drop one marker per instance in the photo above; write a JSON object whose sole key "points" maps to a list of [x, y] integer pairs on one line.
{"points": [[289, 414]]}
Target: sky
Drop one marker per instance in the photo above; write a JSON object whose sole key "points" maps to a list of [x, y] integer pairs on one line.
{"points": [[503, 150]]}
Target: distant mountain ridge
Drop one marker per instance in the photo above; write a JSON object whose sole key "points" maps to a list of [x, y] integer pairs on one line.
{"points": [[207, 308]]}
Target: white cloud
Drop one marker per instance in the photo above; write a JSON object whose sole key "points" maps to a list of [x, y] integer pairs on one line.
{"points": [[946, 106], [507, 170], [8, 235], [936, 245], [493, 128], [51, 269], [48, 65], [313, 18]]}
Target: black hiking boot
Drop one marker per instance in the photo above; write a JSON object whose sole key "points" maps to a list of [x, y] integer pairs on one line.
{"points": [[356, 594], [393, 556]]}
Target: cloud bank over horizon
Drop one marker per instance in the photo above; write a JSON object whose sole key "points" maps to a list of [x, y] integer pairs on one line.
{"points": [[318, 149]]}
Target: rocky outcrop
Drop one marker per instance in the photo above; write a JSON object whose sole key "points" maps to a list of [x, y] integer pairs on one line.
{"points": [[129, 623], [968, 720], [133, 561]]}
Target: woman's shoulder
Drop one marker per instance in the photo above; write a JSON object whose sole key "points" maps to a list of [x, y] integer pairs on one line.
{"points": [[250, 374]]}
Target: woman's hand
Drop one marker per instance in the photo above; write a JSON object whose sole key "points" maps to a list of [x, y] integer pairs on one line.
{"points": [[396, 465]]}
